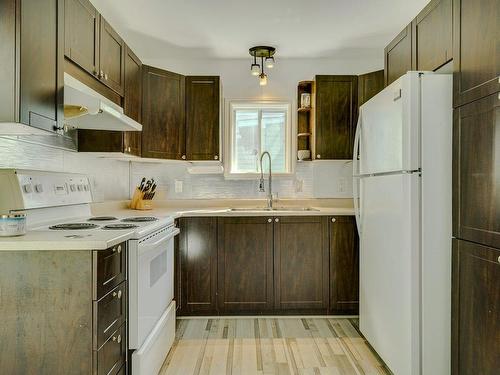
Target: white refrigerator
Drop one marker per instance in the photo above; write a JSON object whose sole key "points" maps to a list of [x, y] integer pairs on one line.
{"points": [[402, 194]]}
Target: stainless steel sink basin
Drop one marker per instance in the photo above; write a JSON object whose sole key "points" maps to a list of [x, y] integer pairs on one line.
{"points": [[243, 209]]}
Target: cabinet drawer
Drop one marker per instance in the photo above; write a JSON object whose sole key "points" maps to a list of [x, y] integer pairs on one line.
{"points": [[113, 353], [110, 267], [109, 313]]}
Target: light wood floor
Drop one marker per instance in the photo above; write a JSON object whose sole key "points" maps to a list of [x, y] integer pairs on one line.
{"points": [[268, 346]]}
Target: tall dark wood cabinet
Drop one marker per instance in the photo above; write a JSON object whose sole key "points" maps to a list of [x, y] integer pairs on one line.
{"points": [[198, 266], [111, 57], [369, 85], [301, 263], [398, 57], [245, 264], [202, 117], [163, 132], [433, 35], [336, 116], [476, 309], [132, 101], [476, 206], [344, 265], [476, 61]]}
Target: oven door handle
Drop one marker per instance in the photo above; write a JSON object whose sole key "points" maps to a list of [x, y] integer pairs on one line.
{"points": [[144, 247]]}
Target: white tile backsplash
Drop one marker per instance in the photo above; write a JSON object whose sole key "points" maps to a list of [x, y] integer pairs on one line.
{"points": [[114, 180]]}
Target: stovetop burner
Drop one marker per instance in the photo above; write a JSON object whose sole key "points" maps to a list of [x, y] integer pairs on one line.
{"points": [[139, 219], [119, 226], [103, 218], [74, 226]]}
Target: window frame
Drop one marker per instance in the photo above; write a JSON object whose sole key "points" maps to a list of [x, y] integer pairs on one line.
{"points": [[231, 106]]}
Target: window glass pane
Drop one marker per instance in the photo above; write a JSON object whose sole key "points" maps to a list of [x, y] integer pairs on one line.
{"points": [[273, 138], [246, 147]]}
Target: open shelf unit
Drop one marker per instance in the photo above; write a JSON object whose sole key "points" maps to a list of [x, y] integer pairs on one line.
{"points": [[305, 118]]}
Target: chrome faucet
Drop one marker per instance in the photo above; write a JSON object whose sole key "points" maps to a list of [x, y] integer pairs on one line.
{"points": [[261, 183]]}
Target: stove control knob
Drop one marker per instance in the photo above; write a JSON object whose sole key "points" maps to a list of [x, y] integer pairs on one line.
{"points": [[28, 188], [80, 187], [86, 187], [39, 188], [72, 187]]}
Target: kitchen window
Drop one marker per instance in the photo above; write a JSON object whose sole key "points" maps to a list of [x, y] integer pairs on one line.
{"points": [[255, 127]]}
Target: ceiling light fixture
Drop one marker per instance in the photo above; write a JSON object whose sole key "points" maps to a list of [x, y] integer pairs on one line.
{"points": [[264, 52]]}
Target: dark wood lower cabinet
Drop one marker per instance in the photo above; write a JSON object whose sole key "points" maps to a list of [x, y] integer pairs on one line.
{"points": [[301, 263], [198, 265], [475, 309], [245, 264], [344, 265]]}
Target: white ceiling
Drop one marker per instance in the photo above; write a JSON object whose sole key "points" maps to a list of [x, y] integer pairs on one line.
{"points": [[227, 28]]}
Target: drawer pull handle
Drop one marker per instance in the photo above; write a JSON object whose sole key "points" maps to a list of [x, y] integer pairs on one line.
{"points": [[119, 294]]}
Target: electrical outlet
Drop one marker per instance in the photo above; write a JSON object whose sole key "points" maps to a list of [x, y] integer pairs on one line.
{"points": [[178, 186], [341, 185], [299, 185]]}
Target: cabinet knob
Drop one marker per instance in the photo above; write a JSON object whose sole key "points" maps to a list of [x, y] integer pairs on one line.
{"points": [[269, 220], [119, 294], [106, 76], [498, 259], [128, 149], [277, 220], [333, 220], [101, 74], [117, 339], [119, 249], [318, 156], [216, 157]]}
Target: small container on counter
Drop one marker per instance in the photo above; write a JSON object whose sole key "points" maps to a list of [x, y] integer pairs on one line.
{"points": [[12, 225]]}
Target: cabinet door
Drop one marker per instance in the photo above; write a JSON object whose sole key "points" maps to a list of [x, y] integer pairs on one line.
{"points": [[163, 132], [476, 60], [198, 265], [475, 309], [81, 34], [398, 56], [202, 118], [245, 264], [369, 85], [433, 40], [344, 265], [132, 100], [111, 57], [476, 143], [336, 111], [40, 83], [301, 263]]}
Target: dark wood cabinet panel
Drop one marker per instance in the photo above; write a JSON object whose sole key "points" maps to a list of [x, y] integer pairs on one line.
{"points": [[344, 265], [369, 85], [336, 112], [132, 100], [398, 58], [475, 309], [301, 263], [202, 117], [111, 57], [198, 265], [8, 69], [476, 61], [163, 132], [245, 264], [476, 143], [433, 35], [81, 34]]}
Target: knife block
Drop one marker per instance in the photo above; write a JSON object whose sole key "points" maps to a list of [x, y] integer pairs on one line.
{"points": [[139, 203]]}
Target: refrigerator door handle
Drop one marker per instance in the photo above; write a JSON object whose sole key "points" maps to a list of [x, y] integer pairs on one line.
{"points": [[356, 181]]}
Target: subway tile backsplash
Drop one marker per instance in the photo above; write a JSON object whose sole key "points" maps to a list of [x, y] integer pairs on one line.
{"points": [[115, 180]]}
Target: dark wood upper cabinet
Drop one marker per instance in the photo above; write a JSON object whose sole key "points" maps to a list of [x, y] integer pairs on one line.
{"points": [[198, 265], [476, 174], [336, 116], [163, 131], [301, 263], [475, 309], [433, 35], [344, 265], [81, 34], [476, 60], [202, 117], [398, 57], [369, 85], [111, 57], [132, 100], [245, 264]]}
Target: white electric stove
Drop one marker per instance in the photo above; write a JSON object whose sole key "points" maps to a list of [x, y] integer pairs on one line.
{"points": [[59, 216]]}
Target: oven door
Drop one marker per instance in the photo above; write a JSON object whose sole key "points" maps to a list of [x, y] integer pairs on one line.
{"points": [[151, 283]]}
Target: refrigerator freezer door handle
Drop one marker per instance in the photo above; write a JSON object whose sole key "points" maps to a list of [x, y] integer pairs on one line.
{"points": [[356, 181]]}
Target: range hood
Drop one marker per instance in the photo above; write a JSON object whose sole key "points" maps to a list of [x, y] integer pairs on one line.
{"points": [[84, 108]]}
